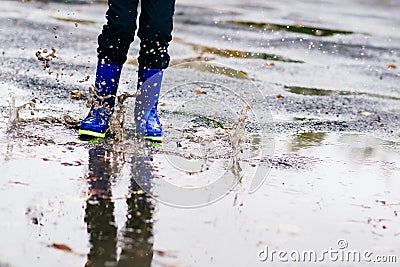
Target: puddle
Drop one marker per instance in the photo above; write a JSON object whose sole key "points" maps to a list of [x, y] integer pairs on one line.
{"points": [[327, 92], [204, 64], [304, 140], [76, 21], [109, 228], [243, 54], [176, 61], [99, 216], [298, 28], [230, 53], [215, 69]]}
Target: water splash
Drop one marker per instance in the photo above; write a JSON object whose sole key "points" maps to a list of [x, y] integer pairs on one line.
{"points": [[236, 141], [117, 119], [118, 112], [14, 112], [208, 141], [14, 116]]}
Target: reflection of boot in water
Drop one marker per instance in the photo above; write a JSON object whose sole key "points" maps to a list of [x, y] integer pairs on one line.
{"points": [[137, 239], [99, 211], [138, 243], [103, 233], [99, 174]]}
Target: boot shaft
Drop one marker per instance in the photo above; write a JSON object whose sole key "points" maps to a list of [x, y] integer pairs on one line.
{"points": [[149, 85], [106, 84]]}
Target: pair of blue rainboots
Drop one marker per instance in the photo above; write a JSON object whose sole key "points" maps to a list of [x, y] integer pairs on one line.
{"points": [[148, 125]]}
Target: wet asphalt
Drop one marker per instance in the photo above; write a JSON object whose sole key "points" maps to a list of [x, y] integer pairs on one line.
{"points": [[321, 77]]}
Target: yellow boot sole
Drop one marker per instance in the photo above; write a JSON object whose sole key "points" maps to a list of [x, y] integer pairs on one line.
{"points": [[91, 133]]}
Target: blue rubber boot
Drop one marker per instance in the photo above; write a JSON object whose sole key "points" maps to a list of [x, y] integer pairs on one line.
{"points": [[147, 122], [96, 122]]}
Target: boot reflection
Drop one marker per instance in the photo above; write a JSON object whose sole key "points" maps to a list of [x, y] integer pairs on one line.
{"points": [[137, 242]]}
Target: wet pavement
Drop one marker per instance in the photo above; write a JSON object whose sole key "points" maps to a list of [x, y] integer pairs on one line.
{"points": [[328, 72]]}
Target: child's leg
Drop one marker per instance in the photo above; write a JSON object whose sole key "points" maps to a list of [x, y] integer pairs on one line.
{"points": [[114, 42], [155, 27], [119, 32]]}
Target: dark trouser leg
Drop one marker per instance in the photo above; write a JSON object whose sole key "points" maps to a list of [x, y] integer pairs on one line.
{"points": [[119, 32], [99, 212], [155, 27], [114, 42]]}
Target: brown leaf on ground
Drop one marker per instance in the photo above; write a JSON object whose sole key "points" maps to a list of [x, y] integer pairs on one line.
{"points": [[74, 163], [62, 247], [201, 92], [76, 95]]}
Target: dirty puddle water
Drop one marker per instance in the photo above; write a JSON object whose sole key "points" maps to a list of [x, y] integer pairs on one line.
{"points": [[69, 202]]}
